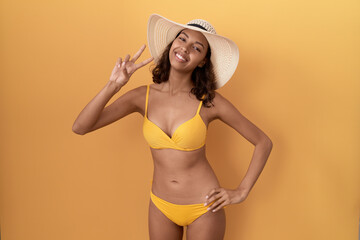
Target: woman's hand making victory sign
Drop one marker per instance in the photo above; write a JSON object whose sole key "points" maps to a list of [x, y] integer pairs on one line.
{"points": [[124, 69]]}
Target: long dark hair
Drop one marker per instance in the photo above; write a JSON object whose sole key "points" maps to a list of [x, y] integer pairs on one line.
{"points": [[203, 77]]}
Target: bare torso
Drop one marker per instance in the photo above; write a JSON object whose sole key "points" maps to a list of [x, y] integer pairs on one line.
{"points": [[180, 177]]}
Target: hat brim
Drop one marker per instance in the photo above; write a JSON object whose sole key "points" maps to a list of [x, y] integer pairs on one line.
{"points": [[224, 52]]}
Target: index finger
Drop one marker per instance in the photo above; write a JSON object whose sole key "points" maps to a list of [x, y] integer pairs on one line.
{"points": [[143, 63], [212, 192], [138, 53]]}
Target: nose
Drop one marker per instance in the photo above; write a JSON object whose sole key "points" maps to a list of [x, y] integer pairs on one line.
{"points": [[185, 48]]}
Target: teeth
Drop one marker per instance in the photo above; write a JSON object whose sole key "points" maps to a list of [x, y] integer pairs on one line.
{"points": [[179, 56]]}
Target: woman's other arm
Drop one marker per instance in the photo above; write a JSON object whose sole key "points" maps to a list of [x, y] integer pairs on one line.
{"points": [[227, 112]]}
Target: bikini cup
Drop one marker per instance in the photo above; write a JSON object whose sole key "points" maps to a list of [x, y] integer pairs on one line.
{"points": [[189, 136]]}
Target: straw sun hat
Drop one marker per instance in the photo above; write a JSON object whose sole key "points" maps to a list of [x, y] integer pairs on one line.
{"points": [[224, 52]]}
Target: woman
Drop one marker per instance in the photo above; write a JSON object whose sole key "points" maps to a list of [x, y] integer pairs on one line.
{"points": [[192, 61]]}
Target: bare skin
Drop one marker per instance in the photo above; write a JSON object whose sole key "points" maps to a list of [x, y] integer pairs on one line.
{"points": [[179, 177]]}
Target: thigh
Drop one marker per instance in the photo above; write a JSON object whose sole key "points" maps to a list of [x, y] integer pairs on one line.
{"points": [[162, 228], [210, 226]]}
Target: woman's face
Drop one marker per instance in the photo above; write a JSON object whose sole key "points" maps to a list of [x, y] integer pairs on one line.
{"points": [[188, 51]]}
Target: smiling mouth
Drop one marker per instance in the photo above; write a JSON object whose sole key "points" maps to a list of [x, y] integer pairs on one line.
{"points": [[180, 58]]}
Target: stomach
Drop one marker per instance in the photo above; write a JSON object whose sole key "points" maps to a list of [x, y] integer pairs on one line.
{"points": [[182, 177]]}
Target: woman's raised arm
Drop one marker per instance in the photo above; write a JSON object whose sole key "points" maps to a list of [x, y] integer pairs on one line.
{"points": [[94, 116]]}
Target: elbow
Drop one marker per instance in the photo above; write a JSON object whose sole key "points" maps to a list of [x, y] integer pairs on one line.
{"points": [[266, 142], [77, 129], [269, 144]]}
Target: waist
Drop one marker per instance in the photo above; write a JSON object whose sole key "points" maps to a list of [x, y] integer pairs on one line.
{"points": [[183, 183]]}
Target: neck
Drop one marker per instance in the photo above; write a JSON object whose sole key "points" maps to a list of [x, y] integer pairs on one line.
{"points": [[178, 82]]}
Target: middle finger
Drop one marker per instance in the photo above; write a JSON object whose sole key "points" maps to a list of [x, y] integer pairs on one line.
{"points": [[127, 57], [216, 204], [214, 197]]}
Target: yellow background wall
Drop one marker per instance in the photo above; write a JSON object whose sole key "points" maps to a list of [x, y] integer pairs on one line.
{"points": [[297, 80]]}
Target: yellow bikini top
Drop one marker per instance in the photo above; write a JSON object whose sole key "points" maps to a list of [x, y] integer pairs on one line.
{"points": [[189, 136]]}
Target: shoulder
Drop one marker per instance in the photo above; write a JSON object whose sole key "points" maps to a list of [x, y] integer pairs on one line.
{"points": [[219, 99], [137, 92], [222, 108], [133, 98], [221, 103], [135, 95], [225, 111]]}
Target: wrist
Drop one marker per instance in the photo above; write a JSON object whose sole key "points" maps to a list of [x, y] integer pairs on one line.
{"points": [[242, 189], [113, 86]]}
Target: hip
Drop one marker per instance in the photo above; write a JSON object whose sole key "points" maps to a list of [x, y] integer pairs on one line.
{"points": [[184, 188]]}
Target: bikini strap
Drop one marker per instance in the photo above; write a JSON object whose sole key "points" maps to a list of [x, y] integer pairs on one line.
{"points": [[146, 99], [201, 102]]}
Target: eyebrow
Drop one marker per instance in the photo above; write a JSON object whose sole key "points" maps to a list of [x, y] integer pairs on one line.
{"points": [[195, 42]]}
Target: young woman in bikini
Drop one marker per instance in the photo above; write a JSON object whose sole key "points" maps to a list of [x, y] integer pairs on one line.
{"points": [[192, 61]]}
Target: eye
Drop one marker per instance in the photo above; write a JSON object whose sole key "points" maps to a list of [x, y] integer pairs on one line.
{"points": [[197, 49], [182, 39]]}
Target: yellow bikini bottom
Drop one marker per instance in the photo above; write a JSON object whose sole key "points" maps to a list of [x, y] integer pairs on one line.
{"points": [[182, 215]]}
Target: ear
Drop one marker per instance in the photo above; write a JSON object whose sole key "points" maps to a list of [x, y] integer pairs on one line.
{"points": [[202, 63]]}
